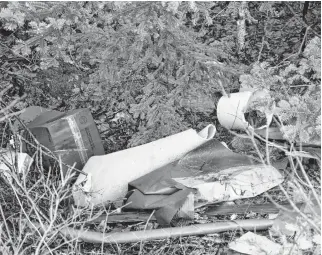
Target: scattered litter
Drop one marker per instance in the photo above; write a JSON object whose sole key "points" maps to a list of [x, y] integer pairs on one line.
{"points": [[253, 244], [250, 215], [8, 160], [167, 206], [111, 173], [187, 210], [29, 114], [225, 208], [272, 216], [231, 110], [286, 224], [233, 217], [171, 176], [291, 224], [72, 136], [253, 110], [304, 242], [233, 183], [316, 239], [212, 171], [290, 249]]}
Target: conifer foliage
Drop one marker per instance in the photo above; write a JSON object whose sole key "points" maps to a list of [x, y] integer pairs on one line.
{"points": [[139, 57], [160, 64]]}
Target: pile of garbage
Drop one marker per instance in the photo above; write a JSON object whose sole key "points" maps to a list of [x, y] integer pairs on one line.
{"points": [[172, 176]]}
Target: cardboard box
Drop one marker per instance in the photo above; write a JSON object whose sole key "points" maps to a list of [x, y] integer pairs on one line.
{"points": [[29, 114], [72, 136]]}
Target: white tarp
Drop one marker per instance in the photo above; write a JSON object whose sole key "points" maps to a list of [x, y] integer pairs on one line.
{"points": [[109, 175], [233, 183]]}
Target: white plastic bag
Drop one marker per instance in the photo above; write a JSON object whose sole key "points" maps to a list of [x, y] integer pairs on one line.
{"points": [[8, 158]]}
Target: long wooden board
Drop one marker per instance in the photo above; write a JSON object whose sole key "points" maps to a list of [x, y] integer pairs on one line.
{"points": [[212, 210], [240, 209]]}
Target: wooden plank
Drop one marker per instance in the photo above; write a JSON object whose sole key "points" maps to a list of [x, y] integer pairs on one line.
{"points": [[221, 209], [213, 210], [124, 217]]}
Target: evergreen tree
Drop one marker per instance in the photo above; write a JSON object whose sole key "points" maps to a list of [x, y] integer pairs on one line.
{"points": [[162, 64]]}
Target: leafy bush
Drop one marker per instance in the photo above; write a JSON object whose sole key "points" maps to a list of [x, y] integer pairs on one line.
{"points": [[296, 90]]}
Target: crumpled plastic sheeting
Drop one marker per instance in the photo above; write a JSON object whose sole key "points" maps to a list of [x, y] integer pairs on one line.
{"points": [[231, 111], [253, 244], [211, 157], [206, 171], [167, 205], [111, 173], [8, 158], [292, 224], [234, 183]]}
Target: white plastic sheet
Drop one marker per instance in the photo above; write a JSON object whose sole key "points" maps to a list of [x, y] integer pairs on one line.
{"points": [[110, 174], [8, 158], [253, 244], [234, 183]]}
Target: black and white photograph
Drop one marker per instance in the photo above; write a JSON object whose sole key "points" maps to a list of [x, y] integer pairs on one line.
{"points": [[160, 127]]}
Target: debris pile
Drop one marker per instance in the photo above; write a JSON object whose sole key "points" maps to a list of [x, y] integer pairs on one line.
{"points": [[165, 180]]}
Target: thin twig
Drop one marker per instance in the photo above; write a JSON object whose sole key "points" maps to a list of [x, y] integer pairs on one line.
{"points": [[146, 225], [15, 52], [263, 43], [298, 210], [5, 223], [304, 85], [317, 198], [220, 12], [302, 21], [23, 77], [304, 39]]}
